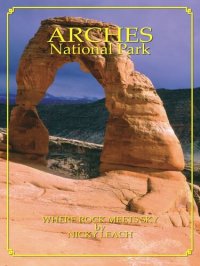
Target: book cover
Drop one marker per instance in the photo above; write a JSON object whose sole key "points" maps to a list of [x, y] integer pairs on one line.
{"points": [[99, 133]]}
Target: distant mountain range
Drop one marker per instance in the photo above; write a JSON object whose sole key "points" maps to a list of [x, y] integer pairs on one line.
{"points": [[51, 99], [85, 119]]}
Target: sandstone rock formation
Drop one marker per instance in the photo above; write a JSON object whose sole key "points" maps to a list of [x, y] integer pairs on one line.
{"points": [[138, 132], [138, 135], [27, 132], [35, 193]]}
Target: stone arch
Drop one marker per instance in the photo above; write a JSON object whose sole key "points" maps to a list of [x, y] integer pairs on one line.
{"points": [[138, 133]]}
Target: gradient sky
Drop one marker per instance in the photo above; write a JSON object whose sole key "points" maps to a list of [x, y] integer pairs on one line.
{"points": [[168, 66]]}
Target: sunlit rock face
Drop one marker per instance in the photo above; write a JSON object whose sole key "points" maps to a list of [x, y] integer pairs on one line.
{"points": [[138, 135], [138, 132]]}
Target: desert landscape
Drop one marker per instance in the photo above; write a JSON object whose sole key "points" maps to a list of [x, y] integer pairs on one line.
{"points": [[35, 193], [131, 181]]}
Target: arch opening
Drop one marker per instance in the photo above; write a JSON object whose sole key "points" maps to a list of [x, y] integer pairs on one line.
{"points": [[75, 121], [138, 133], [138, 136]]}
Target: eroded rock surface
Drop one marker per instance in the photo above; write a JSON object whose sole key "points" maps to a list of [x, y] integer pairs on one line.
{"points": [[35, 193], [138, 135], [138, 132]]}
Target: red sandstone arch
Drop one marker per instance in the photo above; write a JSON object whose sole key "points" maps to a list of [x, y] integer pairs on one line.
{"points": [[138, 133]]}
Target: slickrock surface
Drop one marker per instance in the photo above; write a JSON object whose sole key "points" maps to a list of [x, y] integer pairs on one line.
{"points": [[138, 132], [140, 165], [35, 193], [138, 135]]}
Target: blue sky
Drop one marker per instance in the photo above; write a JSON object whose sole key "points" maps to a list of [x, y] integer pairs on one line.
{"points": [[168, 66]]}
